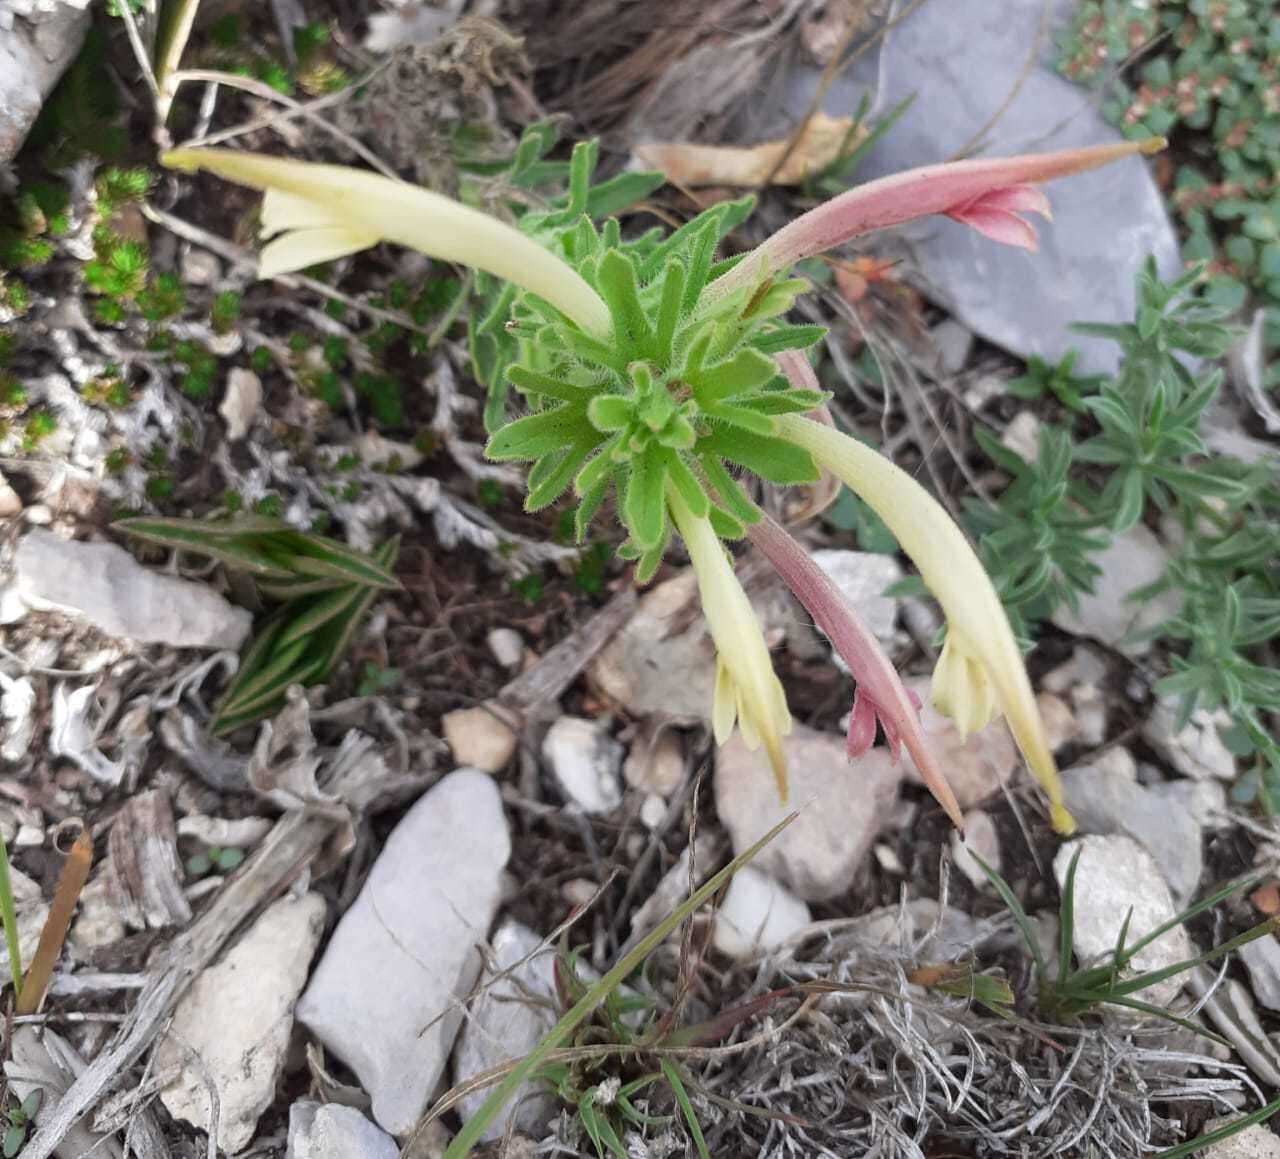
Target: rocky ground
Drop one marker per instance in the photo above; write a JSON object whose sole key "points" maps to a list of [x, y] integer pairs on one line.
{"points": [[308, 938]]}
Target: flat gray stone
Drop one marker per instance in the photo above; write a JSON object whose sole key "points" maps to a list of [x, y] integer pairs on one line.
{"points": [[237, 1019], [1131, 561], [384, 996], [756, 915], [1255, 1142], [33, 56], [841, 804], [862, 577], [1116, 875], [506, 1022], [961, 60], [1103, 802], [105, 585], [332, 1131], [1261, 958]]}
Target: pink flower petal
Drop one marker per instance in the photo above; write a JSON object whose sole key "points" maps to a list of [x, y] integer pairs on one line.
{"points": [[1015, 199], [997, 224], [862, 726]]}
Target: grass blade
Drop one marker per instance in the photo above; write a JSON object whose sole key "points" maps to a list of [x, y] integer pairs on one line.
{"points": [[1067, 917], [1187, 914], [672, 1076], [1014, 906], [474, 1127], [1191, 1146], [311, 615], [10, 917]]}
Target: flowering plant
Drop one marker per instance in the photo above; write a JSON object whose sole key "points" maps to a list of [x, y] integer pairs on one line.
{"points": [[657, 371]]}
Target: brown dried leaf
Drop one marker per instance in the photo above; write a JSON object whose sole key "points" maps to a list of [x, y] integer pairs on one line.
{"points": [[688, 165]]}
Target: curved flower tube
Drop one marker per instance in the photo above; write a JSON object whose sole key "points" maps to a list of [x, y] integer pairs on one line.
{"points": [[980, 671], [320, 212], [747, 690], [880, 694], [986, 193]]}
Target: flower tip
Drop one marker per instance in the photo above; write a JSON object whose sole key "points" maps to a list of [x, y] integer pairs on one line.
{"points": [[1153, 145], [1061, 820]]}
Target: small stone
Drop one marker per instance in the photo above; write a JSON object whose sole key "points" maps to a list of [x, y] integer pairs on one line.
{"points": [[200, 268], [507, 646], [657, 765], [975, 766], [1261, 958], [586, 762], [862, 577], [383, 996], [954, 342], [1022, 436], [1059, 721], [980, 837], [237, 1018], [1091, 713], [652, 810], [1116, 875], [105, 585], [1195, 750], [579, 891], [1131, 561], [241, 403], [1206, 801], [1117, 762], [841, 807], [29, 837], [478, 739], [888, 860], [1084, 667], [506, 1022], [38, 515], [1254, 1142], [1104, 803], [10, 503], [757, 914], [332, 1131]]}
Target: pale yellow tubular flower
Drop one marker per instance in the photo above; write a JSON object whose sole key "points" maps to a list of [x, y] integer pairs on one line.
{"points": [[980, 671], [320, 212], [747, 691]]}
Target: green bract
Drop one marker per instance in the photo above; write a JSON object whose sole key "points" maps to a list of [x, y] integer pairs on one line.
{"points": [[683, 393]]}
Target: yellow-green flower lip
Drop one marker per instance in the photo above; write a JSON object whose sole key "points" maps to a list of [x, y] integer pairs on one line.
{"points": [[320, 212]]}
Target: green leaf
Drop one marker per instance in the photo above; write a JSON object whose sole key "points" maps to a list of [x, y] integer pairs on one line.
{"points": [[610, 412], [535, 382], [644, 505], [686, 483], [1131, 497], [616, 281], [547, 490], [672, 1075], [782, 338], [312, 615], [539, 434], [212, 541], [746, 420], [773, 459], [747, 371], [622, 192]]}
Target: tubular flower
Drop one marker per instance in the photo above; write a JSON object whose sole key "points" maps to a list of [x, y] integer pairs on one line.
{"points": [[987, 194], [880, 694], [980, 671], [316, 213], [747, 692]]}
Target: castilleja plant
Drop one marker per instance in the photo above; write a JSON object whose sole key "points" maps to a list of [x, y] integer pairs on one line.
{"points": [[655, 371]]}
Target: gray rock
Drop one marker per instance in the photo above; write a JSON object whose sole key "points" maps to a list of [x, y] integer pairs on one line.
{"points": [[383, 996], [1261, 958], [841, 807], [1206, 801], [757, 914], [332, 1131], [1195, 750], [507, 647], [33, 55], [237, 1018], [1116, 875], [241, 403], [1255, 1142], [1104, 803], [587, 763], [961, 60], [953, 342], [507, 1021], [980, 837], [106, 586], [1131, 561], [862, 577]]}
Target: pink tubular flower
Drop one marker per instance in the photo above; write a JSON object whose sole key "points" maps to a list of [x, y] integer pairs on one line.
{"points": [[880, 694], [987, 194]]}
